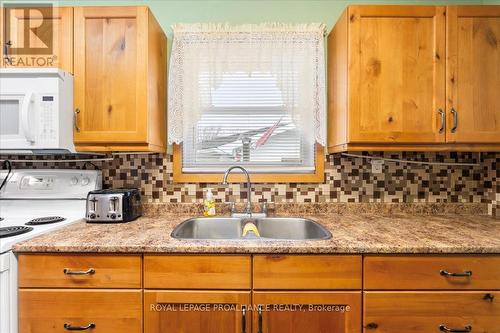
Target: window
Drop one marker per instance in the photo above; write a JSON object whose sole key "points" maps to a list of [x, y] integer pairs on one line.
{"points": [[249, 126], [247, 98]]}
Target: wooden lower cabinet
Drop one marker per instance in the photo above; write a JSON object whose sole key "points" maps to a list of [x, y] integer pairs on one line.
{"points": [[192, 311], [295, 272], [80, 271], [427, 312], [312, 312], [102, 311], [430, 272]]}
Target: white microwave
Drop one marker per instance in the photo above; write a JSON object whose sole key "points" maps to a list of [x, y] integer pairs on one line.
{"points": [[36, 111]]}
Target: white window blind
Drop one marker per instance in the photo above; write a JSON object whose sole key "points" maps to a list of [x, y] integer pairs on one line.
{"points": [[246, 125], [247, 96]]}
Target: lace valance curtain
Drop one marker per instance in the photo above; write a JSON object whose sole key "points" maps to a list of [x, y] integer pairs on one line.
{"points": [[204, 54]]}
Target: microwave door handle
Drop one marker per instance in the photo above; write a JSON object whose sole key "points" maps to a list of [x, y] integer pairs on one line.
{"points": [[25, 123]]}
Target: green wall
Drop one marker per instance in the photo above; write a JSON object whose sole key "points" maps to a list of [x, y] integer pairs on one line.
{"points": [[169, 12]]}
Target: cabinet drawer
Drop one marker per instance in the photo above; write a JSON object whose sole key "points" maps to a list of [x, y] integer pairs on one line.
{"points": [[425, 312], [79, 271], [424, 272], [197, 272], [48, 310], [306, 272]]}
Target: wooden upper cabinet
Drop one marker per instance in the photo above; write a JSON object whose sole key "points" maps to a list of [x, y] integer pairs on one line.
{"points": [[387, 75], [120, 80], [473, 70], [37, 37], [414, 78]]}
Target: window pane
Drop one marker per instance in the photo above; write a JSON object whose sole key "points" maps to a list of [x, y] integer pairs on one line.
{"points": [[247, 124]]}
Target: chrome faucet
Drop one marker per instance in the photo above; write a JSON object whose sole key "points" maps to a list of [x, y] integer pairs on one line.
{"points": [[248, 210]]}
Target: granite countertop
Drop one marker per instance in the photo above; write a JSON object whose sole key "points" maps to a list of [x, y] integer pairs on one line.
{"points": [[352, 233]]}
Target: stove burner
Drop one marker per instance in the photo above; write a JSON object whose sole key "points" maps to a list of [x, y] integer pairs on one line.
{"points": [[13, 231], [45, 220]]}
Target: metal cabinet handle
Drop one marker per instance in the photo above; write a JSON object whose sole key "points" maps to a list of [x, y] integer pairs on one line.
{"points": [[455, 120], [259, 311], [464, 274], [243, 319], [69, 327], [444, 328], [443, 120], [372, 326], [6, 47], [75, 119], [89, 271]]}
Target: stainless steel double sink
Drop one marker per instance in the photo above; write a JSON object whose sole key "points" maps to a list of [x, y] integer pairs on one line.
{"points": [[270, 228]]}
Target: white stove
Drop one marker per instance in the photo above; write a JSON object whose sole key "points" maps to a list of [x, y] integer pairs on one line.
{"points": [[34, 202]]}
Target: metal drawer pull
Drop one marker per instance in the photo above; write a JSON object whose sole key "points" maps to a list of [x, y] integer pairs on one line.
{"points": [[243, 319], [443, 120], [75, 119], [69, 327], [259, 311], [464, 274], [455, 120], [444, 328], [89, 271]]}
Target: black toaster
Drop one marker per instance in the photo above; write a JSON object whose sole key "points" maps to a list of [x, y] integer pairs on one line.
{"points": [[113, 205]]}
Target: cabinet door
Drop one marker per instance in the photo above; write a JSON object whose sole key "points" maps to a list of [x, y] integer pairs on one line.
{"points": [[424, 312], [93, 310], [473, 81], [37, 37], [196, 311], [312, 312], [396, 76], [111, 74]]}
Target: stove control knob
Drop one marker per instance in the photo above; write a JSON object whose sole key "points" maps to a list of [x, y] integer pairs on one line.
{"points": [[113, 216], [85, 181], [92, 216], [73, 181]]}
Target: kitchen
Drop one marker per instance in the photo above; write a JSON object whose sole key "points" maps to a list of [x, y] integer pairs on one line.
{"points": [[250, 166]]}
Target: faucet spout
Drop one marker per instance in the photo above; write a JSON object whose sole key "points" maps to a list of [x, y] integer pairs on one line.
{"points": [[249, 186]]}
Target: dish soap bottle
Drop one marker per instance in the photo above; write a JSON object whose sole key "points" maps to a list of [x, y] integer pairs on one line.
{"points": [[209, 204]]}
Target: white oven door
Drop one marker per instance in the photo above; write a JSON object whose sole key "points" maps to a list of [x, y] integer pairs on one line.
{"points": [[17, 121]]}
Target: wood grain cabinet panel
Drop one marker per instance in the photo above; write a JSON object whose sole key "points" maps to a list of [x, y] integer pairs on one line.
{"points": [[425, 312], [312, 312], [197, 272], [428, 272], [307, 272], [473, 68], [61, 271], [102, 311], [51, 31], [387, 70], [414, 78], [120, 79], [196, 311]]}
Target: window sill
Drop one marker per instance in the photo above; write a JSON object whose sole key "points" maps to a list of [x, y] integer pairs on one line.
{"points": [[317, 177]]}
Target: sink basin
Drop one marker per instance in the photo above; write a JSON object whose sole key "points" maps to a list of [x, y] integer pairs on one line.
{"points": [[209, 228], [270, 228], [291, 228]]}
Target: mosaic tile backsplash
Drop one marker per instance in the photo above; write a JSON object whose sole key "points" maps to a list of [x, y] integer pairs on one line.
{"points": [[347, 179]]}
